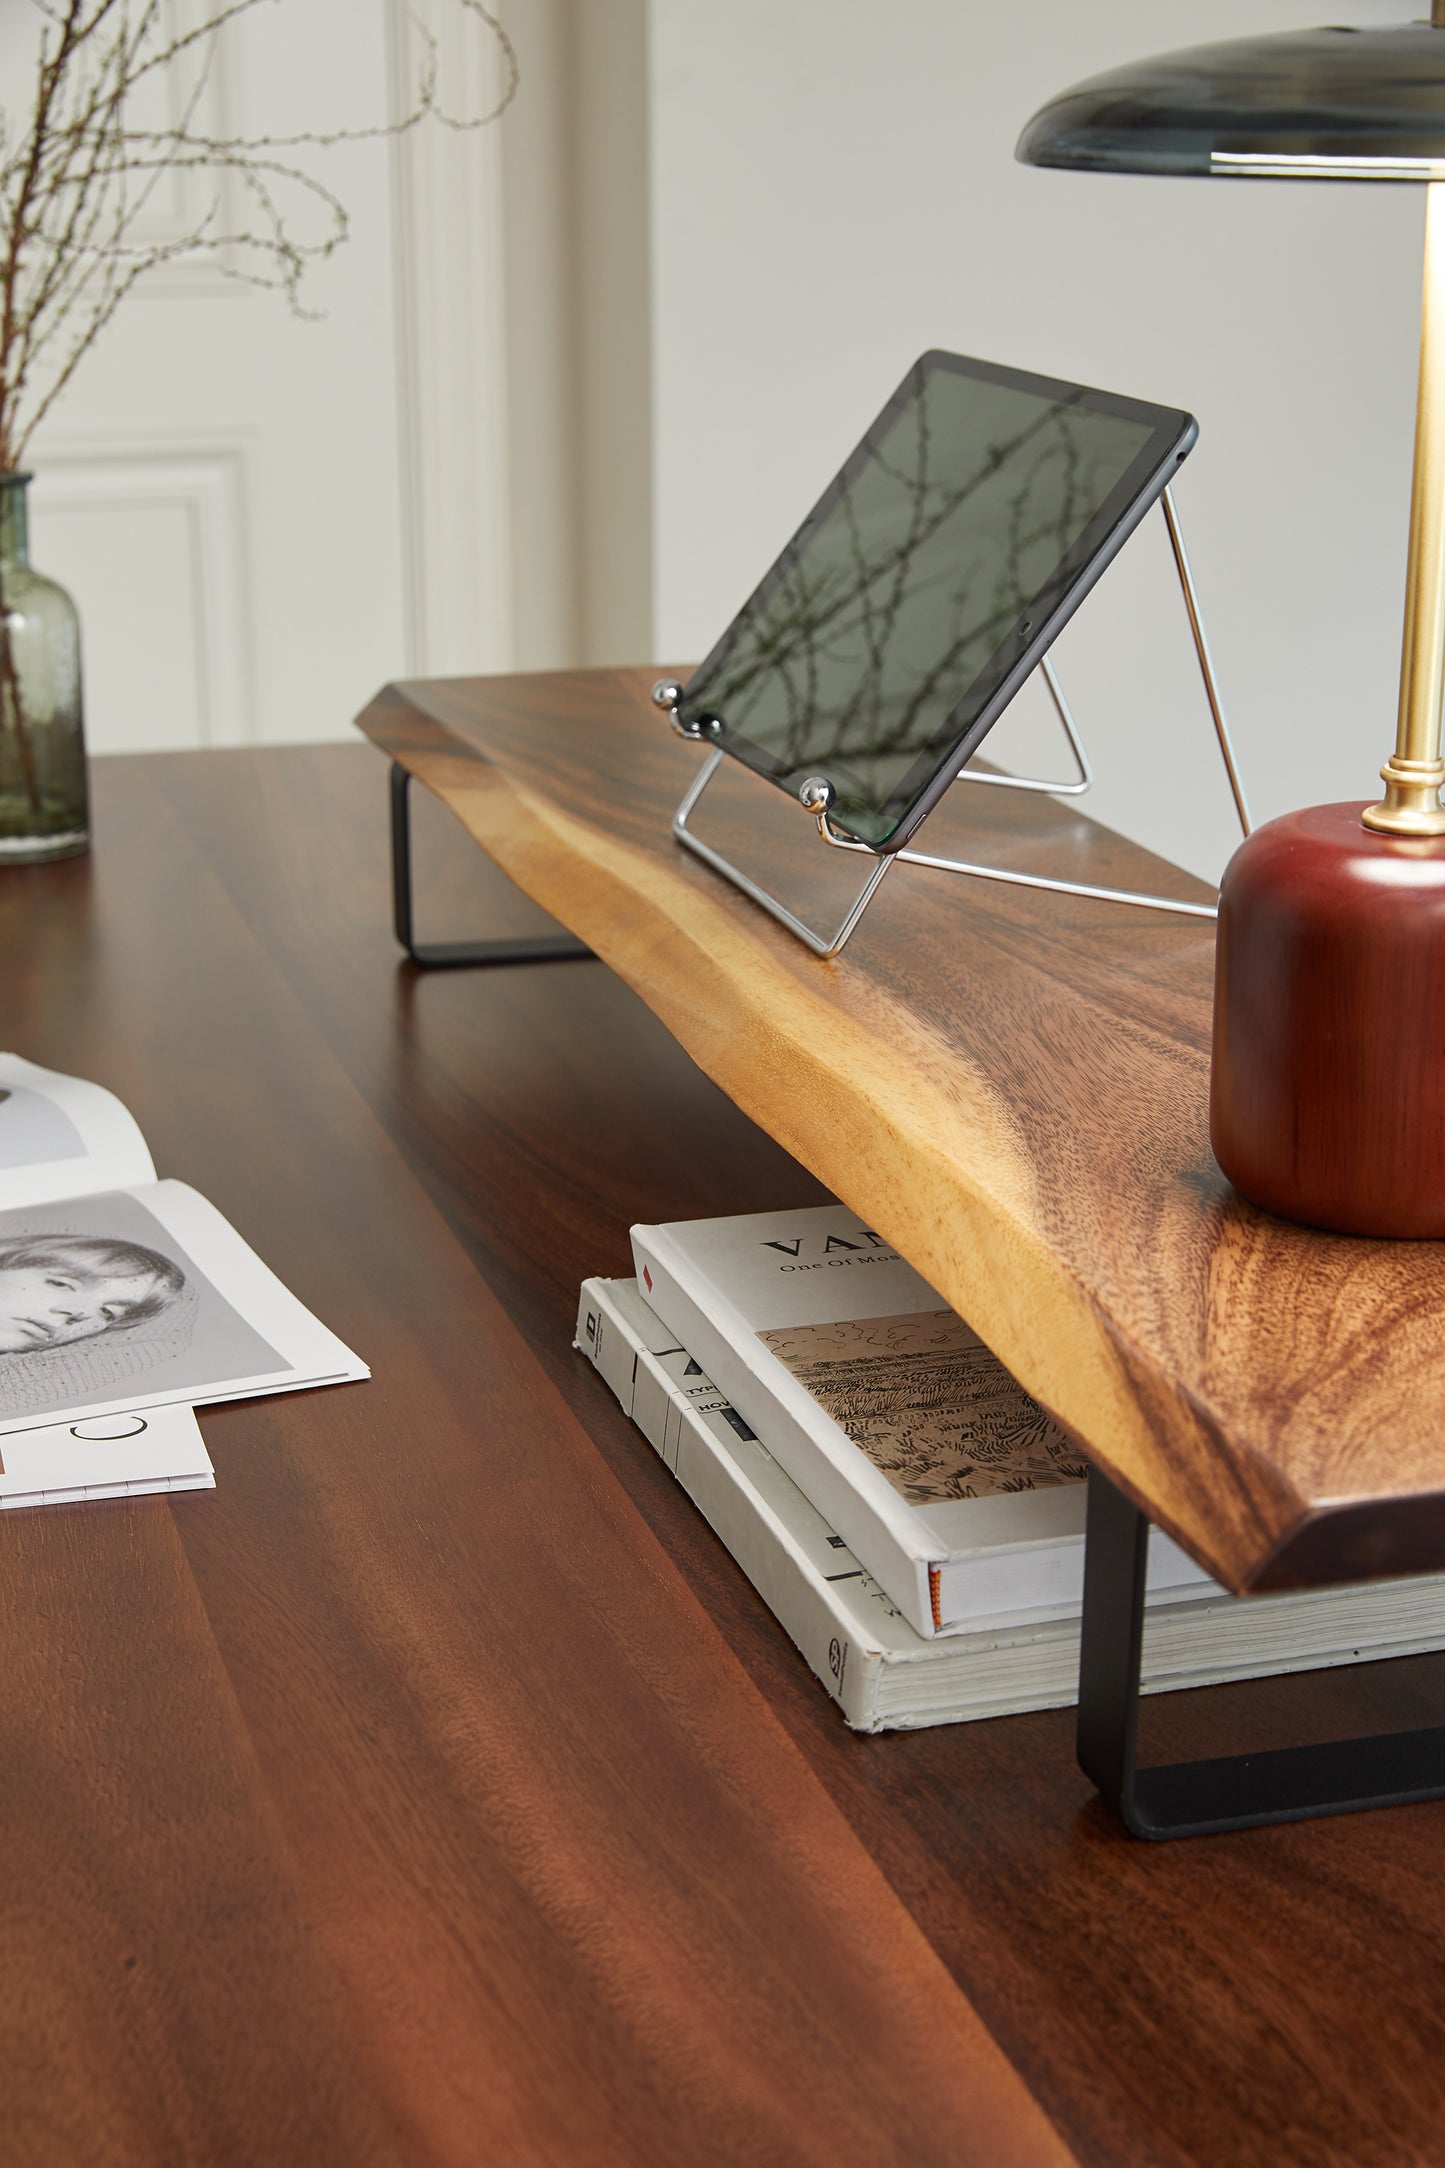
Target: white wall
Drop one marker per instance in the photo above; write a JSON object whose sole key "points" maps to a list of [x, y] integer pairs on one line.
{"points": [[577, 301], [219, 488], [242, 502], [834, 190], [263, 519]]}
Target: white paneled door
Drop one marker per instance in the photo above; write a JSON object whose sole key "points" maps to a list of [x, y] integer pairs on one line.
{"points": [[223, 488]]}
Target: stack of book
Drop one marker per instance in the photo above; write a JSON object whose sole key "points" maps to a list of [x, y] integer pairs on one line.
{"points": [[911, 1516]]}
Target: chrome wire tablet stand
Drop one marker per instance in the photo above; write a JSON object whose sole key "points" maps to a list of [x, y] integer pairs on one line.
{"points": [[816, 797]]}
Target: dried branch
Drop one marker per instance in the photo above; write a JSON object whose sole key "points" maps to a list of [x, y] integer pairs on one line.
{"points": [[76, 185]]}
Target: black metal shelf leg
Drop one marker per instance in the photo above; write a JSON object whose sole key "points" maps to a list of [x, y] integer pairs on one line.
{"points": [[1238, 1791], [452, 955]]}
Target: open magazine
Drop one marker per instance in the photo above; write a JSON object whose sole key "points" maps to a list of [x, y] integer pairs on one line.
{"points": [[123, 1301]]}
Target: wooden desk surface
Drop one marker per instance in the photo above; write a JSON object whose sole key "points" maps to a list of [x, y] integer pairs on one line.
{"points": [[1013, 1088], [437, 1791]]}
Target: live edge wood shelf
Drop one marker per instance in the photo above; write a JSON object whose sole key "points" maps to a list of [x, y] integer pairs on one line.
{"points": [[1012, 1088]]}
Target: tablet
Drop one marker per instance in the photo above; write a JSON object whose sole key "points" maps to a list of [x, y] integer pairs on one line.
{"points": [[927, 582]]}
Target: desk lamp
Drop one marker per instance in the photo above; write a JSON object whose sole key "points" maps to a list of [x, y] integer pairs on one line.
{"points": [[1327, 1098]]}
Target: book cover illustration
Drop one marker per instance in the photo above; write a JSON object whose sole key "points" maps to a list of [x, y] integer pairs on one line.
{"points": [[119, 1293], [932, 1407], [97, 1296], [956, 1529]]}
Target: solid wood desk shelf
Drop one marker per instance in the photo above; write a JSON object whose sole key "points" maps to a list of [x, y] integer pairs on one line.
{"points": [[1012, 1088]]}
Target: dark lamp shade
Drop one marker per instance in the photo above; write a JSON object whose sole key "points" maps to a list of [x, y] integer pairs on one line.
{"points": [[1309, 104]]}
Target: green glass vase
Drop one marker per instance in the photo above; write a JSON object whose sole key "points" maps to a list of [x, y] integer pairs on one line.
{"points": [[44, 802]]}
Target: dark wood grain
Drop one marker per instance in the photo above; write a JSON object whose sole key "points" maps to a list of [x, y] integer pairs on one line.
{"points": [[162, 1993], [1013, 1087], [436, 1814]]}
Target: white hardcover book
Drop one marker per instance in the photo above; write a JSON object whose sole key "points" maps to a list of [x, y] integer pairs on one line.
{"points": [[959, 1493], [884, 1676]]}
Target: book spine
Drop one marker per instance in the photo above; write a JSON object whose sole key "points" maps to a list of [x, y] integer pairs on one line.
{"points": [[883, 1535], [805, 1606]]}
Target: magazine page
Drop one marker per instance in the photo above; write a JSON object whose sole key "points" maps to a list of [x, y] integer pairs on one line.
{"points": [[133, 1298], [60, 1136], [105, 1456]]}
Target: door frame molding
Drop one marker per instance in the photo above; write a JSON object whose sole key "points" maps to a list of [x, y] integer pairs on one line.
{"points": [[450, 282]]}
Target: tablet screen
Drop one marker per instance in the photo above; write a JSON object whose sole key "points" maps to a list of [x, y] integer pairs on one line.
{"points": [[900, 609]]}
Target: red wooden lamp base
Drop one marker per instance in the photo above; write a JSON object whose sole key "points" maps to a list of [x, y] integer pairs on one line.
{"points": [[1327, 1096]]}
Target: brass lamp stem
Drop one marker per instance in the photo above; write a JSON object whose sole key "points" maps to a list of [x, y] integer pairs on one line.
{"points": [[1414, 772]]}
